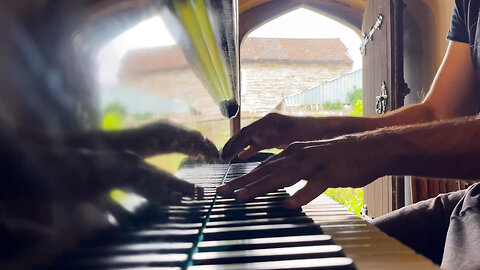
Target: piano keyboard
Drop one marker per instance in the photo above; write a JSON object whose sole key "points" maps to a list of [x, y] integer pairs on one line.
{"points": [[220, 233]]}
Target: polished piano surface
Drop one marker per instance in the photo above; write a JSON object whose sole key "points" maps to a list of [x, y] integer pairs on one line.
{"points": [[219, 233]]}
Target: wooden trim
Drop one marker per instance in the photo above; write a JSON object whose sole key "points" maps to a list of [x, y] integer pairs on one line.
{"points": [[426, 188], [235, 123], [398, 93], [259, 14]]}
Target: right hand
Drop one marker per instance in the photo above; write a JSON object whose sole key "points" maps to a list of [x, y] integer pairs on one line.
{"points": [[273, 130]]}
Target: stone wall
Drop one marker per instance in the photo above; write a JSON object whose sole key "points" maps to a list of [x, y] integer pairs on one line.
{"points": [[265, 83]]}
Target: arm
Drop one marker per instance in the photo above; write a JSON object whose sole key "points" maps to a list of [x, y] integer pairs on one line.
{"points": [[452, 94], [439, 149]]}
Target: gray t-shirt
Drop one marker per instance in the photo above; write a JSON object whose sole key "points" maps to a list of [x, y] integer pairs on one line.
{"points": [[464, 28]]}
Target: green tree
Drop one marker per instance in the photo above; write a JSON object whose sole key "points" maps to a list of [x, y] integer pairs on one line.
{"points": [[332, 106], [355, 95]]}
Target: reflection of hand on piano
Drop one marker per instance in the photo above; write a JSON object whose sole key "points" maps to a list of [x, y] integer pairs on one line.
{"points": [[157, 138], [341, 162], [75, 175], [46, 172]]}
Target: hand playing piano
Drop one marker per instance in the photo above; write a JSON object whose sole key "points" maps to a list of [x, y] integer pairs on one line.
{"points": [[342, 162], [273, 130]]}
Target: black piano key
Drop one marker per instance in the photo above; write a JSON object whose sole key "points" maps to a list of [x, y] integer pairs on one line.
{"points": [[253, 203], [269, 254], [255, 215], [144, 268], [337, 263], [244, 209], [155, 247], [79, 257], [137, 260], [259, 231], [280, 197], [178, 226], [190, 235], [260, 221], [120, 260], [260, 243]]}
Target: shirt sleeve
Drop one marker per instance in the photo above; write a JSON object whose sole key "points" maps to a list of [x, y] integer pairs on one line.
{"points": [[458, 28]]}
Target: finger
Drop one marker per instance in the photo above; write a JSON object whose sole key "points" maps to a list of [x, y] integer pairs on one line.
{"points": [[209, 150], [196, 144], [269, 183], [169, 181], [159, 185], [227, 189], [291, 149], [305, 195], [237, 143], [154, 192], [250, 152]]}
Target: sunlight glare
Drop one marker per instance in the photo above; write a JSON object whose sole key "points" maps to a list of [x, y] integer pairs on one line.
{"points": [[147, 34], [305, 23]]}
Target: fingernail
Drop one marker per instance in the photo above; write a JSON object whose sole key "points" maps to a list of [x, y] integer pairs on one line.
{"points": [[291, 203], [242, 154]]}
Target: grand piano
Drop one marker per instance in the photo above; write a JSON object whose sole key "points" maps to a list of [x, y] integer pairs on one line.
{"points": [[208, 231]]}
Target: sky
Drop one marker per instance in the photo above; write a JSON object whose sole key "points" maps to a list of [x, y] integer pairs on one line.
{"points": [[300, 23]]}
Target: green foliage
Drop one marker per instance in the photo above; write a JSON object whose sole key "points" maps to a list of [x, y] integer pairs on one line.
{"points": [[143, 116], [321, 114], [113, 117], [349, 197], [329, 106], [355, 95], [357, 109]]}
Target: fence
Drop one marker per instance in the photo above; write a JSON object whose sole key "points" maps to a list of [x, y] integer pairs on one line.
{"points": [[331, 91]]}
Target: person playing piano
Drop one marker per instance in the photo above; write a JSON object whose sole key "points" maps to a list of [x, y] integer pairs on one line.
{"points": [[438, 138]]}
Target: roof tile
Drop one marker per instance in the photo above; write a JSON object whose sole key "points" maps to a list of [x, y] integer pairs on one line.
{"points": [[322, 50], [288, 49]]}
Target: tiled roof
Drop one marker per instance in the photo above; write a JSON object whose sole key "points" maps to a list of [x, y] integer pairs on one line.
{"points": [[294, 49], [152, 59], [288, 49]]}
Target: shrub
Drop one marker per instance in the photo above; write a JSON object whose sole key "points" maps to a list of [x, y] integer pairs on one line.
{"points": [[357, 109], [349, 197], [332, 106], [355, 95]]}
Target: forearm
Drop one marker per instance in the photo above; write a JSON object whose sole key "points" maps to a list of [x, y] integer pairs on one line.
{"points": [[328, 127], [446, 149]]}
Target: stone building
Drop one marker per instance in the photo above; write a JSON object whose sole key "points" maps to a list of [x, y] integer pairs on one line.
{"points": [[272, 68]]}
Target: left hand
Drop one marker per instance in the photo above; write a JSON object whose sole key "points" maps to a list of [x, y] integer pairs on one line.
{"points": [[342, 162]]}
